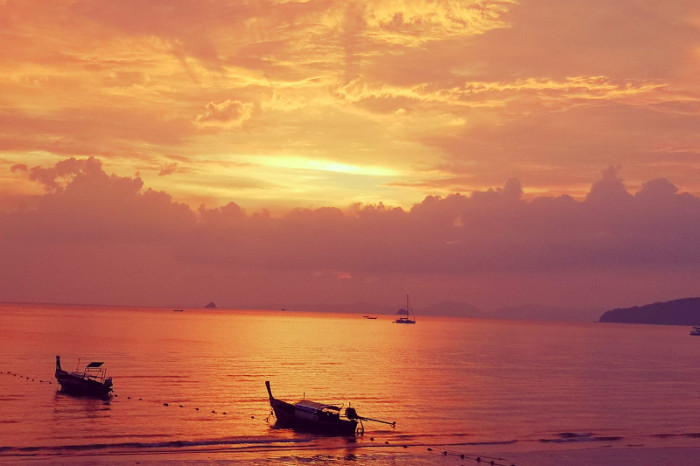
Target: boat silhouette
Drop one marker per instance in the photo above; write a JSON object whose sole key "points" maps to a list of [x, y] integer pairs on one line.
{"points": [[405, 315], [91, 382], [317, 417]]}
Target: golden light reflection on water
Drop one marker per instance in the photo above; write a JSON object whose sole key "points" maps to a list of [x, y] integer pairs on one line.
{"points": [[198, 376]]}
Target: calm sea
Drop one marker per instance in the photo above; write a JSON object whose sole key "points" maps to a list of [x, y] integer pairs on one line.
{"points": [[190, 385]]}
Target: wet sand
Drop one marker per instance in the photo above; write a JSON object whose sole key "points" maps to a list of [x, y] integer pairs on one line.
{"points": [[612, 456], [598, 455]]}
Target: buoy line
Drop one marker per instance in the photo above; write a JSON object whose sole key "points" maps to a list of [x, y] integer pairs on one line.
{"points": [[489, 460], [481, 459], [181, 405], [27, 377], [116, 395]]}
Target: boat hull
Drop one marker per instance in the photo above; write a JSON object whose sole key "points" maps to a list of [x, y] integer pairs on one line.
{"points": [[289, 415], [286, 416], [404, 321], [75, 385]]}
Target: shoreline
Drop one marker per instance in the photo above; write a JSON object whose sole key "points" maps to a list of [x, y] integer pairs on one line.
{"points": [[608, 456], [570, 455]]}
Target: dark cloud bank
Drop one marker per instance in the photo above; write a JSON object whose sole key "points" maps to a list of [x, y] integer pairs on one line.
{"points": [[96, 238]]}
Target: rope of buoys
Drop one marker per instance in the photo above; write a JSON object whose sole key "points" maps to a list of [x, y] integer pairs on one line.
{"points": [[167, 404], [26, 377], [481, 459], [50, 382]]}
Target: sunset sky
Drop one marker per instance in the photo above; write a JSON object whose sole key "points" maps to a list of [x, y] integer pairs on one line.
{"points": [[276, 151]]}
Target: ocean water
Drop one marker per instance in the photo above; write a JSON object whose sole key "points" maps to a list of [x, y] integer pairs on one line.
{"points": [[189, 386]]}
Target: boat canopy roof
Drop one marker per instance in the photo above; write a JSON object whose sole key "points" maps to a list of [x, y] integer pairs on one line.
{"points": [[93, 365], [313, 406]]}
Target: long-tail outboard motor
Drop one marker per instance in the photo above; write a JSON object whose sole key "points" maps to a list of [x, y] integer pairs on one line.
{"points": [[351, 413]]}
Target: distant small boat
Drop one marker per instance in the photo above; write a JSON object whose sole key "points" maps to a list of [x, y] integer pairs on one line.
{"points": [[178, 310], [91, 382], [695, 330], [405, 315], [369, 317], [316, 417]]}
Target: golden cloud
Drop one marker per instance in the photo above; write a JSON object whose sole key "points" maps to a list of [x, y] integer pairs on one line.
{"points": [[225, 115]]}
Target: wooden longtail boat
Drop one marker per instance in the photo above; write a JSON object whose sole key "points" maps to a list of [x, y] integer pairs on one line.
{"points": [[91, 382], [318, 417]]}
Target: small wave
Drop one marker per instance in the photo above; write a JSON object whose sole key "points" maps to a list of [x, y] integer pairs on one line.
{"points": [[492, 442], [153, 376], [422, 436], [566, 437], [685, 435], [154, 445]]}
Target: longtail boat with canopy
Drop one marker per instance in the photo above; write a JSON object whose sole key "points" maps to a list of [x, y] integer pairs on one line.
{"points": [[91, 382]]}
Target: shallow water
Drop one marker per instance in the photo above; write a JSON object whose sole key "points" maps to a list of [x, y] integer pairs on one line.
{"points": [[193, 381]]}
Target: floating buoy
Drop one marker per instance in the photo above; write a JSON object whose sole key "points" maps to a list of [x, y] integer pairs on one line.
{"points": [[165, 404]]}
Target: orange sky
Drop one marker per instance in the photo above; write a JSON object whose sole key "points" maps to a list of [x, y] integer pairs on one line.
{"points": [[283, 104]]}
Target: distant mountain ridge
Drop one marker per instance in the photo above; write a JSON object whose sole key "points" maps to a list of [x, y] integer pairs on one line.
{"points": [[545, 314], [684, 311], [452, 309]]}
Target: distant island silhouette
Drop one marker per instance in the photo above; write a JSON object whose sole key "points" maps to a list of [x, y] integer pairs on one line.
{"points": [[677, 312]]}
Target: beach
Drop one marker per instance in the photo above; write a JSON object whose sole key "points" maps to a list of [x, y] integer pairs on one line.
{"points": [[587, 456], [609, 456]]}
